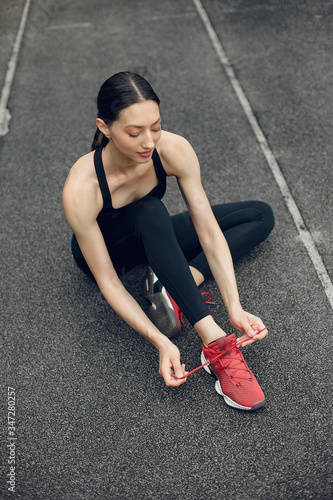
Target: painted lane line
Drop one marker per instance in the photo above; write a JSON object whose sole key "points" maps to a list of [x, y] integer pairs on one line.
{"points": [[5, 115], [70, 26], [304, 234], [181, 15]]}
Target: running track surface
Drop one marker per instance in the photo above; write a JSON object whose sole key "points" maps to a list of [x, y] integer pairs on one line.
{"points": [[93, 417]]}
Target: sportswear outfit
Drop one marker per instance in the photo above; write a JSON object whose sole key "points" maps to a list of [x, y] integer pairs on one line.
{"points": [[143, 232]]}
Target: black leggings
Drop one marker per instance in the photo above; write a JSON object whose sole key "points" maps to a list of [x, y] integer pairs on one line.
{"points": [[145, 233]]}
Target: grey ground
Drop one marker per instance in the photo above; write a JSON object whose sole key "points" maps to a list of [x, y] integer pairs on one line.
{"points": [[94, 418]]}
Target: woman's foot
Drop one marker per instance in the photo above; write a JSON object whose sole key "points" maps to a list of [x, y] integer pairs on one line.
{"points": [[235, 382]]}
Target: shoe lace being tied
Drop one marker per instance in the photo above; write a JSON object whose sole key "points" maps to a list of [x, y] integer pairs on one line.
{"points": [[218, 357], [223, 353], [232, 360]]}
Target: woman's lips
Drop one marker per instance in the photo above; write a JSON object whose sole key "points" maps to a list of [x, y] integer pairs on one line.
{"points": [[146, 154]]}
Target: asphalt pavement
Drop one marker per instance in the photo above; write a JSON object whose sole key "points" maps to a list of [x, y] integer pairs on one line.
{"points": [[93, 418]]}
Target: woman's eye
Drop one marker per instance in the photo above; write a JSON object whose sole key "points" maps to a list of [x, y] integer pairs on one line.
{"points": [[153, 130]]}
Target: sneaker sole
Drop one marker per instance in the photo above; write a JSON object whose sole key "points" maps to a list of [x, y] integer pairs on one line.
{"points": [[160, 314], [227, 400]]}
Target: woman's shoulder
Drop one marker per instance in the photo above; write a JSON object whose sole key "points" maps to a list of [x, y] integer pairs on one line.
{"points": [[172, 142], [175, 152], [82, 171], [81, 183], [83, 165]]}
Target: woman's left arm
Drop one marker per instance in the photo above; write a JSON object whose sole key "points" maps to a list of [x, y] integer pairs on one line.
{"points": [[185, 166]]}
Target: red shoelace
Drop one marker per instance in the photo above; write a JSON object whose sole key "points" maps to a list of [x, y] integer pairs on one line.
{"points": [[207, 301], [180, 313], [221, 353]]}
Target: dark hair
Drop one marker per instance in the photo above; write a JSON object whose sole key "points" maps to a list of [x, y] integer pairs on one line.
{"points": [[116, 94]]}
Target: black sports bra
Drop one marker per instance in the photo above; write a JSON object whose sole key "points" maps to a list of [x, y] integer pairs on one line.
{"points": [[108, 210]]}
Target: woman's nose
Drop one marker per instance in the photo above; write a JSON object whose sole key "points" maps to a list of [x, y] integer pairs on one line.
{"points": [[148, 142]]}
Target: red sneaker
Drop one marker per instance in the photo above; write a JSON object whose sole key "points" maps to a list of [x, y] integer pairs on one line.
{"points": [[235, 382]]}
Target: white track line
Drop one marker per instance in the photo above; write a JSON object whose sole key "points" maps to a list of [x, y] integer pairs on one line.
{"points": [[305, 235], [70, 26], [5, 115]]}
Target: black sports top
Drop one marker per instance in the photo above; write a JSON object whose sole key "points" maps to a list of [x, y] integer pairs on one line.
{"points": [[108, 211]]}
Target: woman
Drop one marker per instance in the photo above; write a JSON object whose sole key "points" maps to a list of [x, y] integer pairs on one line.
{"points": [[112, 201]]}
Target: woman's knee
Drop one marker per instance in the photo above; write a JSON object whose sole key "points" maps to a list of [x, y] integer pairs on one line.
{"points": [[267, 215], [151, 212]]}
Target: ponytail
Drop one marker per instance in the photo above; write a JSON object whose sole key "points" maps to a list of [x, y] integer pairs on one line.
{"points": [[99, 140]]}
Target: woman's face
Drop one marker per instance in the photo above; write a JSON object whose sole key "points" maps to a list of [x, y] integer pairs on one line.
{"points": [[137, 131]]}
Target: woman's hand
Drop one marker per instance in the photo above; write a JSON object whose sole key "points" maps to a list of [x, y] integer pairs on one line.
{"points": [[249, 325], [170, 367]]}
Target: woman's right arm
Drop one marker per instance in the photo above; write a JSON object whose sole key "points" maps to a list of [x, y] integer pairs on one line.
{"points": [[81, 209]]}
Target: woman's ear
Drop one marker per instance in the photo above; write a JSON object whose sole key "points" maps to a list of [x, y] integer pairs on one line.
{"points": [[103, 127]]}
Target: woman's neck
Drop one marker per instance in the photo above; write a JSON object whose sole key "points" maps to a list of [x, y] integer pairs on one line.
{"points": [[114, 161]]}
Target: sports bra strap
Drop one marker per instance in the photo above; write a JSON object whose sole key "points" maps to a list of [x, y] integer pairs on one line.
{"points": [[101, 176]]}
